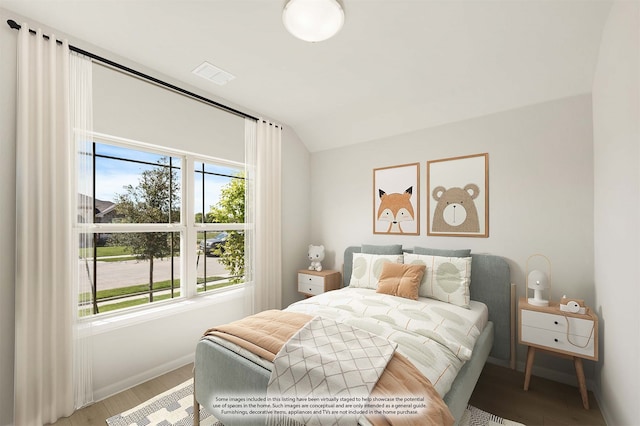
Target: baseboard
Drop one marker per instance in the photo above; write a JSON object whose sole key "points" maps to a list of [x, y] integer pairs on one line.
{"points": [[115, 388]]}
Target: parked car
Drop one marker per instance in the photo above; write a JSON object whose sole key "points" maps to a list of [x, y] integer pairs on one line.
{"points": [[213, 244]]}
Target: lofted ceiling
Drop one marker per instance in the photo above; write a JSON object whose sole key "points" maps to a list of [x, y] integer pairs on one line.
{"points": [[396, 66]]}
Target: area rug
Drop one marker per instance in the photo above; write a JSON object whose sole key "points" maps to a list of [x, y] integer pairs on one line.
{"points": [[476, 417], [171, 408], [175, 408]]}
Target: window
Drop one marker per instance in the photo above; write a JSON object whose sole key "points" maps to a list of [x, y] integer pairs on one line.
{"points": [[147, 217]]}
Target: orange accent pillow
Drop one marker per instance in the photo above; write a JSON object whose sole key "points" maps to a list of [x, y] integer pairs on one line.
{"points": [[400, 279]]}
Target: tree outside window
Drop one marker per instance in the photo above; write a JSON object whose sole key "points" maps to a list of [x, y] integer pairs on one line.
{"points": [[155, 199], [230, 209]]}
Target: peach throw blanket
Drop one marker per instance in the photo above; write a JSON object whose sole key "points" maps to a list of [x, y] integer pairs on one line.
{"points": [[265, 333]]}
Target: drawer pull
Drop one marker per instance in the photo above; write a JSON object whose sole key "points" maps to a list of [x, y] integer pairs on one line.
{"points": [[555, 340], [555, 322]]}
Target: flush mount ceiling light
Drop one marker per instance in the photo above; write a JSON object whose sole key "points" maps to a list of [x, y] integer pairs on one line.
{"points": [[313, 20]]}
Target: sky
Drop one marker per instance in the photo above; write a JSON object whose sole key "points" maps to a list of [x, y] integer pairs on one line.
{"points": [[112, 176]]}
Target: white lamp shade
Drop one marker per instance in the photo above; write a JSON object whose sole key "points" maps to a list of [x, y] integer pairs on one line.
{"points": [[537, 280], [313, 20]]}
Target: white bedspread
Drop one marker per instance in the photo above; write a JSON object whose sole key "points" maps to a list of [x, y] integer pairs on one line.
{"points": [[436, 339]]}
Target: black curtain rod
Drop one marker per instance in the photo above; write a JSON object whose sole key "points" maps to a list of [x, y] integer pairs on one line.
{"points": [[13, 24]]}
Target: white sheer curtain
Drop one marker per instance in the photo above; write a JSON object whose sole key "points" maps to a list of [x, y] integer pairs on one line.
{"points": [[81, 107], [263, 212], [46, 303]]}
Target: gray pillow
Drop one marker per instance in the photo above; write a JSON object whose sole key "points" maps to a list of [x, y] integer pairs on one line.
{"points": [[386, 249], [442, 252]]}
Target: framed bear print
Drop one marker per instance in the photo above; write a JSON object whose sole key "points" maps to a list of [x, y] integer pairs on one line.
{"points": [[396, 200], [458, 196]]}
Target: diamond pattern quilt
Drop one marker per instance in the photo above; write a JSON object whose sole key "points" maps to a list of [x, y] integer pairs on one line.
{"points": [[329, 359]]}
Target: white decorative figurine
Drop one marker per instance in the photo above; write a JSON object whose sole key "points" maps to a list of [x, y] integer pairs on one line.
{"points": [[316, 256]]}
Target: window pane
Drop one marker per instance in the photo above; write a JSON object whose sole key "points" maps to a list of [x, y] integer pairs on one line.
{"points": [[220, 259], [134, 186], [219, 198], [219, 194], [85, 274], [131, 269]]}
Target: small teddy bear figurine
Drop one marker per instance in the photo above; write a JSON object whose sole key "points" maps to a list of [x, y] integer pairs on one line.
{"points": [[316, 256]]}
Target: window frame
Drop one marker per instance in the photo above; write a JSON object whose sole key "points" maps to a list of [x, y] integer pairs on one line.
{"points": [[187, 227]]}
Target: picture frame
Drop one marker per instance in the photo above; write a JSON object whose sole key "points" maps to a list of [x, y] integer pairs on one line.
{"points": [[458, 196], [396, 199]]}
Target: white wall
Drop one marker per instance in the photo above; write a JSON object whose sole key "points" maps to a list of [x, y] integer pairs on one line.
{"points": [[296, 213], [616, 117], [135, 109], [540, 190], [128, 353]]}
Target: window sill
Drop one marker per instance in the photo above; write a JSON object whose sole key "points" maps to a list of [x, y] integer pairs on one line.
{"points": [[162, 310]]}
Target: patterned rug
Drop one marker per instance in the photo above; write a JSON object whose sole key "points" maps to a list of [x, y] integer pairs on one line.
{"points": [[175, 408], [171, 408], [476, 417]]}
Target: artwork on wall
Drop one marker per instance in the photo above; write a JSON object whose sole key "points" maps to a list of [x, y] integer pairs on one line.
{"points": [[396, 200], [458, 196]]}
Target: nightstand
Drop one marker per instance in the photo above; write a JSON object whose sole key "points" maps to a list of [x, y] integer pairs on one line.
{"points": [[311, 283], [560, 333]]}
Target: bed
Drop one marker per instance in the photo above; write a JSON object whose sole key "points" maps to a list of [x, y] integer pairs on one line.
{"points": [[223, 368]]}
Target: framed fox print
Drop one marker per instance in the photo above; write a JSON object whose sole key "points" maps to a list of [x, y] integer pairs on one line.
{"points": [[458, 196], [396, 200]]}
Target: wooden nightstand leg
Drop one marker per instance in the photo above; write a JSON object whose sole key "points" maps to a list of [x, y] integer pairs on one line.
{"points": [[531, 354], [577, 362]]}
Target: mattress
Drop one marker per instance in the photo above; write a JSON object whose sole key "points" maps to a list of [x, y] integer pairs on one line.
{"points": [[437, 337]]}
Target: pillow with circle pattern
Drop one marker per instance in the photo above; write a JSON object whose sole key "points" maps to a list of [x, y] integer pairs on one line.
{"points": [[367, 268], [446, 279]]}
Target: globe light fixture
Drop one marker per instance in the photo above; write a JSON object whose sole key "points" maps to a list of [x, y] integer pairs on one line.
{"points": [[313, 20]]}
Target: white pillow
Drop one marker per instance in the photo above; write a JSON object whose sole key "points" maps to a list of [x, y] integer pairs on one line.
{"points": [[446, 278], [367, 268]]}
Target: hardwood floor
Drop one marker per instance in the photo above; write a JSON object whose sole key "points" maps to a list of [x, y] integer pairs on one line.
{"points": [[499, 391], [98, 413]]}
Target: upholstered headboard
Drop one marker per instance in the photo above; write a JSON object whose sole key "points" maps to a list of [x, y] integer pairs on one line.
{"points": [[491, 285]]}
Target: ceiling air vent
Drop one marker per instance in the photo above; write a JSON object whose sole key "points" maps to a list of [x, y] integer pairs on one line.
{"points": [[213, 73]]}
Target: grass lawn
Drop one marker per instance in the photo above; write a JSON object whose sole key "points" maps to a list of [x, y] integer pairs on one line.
{"points": [[106, 251], [111, 253], [143, 291]]}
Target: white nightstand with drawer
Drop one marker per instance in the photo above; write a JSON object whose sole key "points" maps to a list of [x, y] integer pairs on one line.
{"points": [[312, 283], [560, 333]]}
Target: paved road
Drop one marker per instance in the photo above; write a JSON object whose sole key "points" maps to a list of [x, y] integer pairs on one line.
{"points": [[132, 272]]}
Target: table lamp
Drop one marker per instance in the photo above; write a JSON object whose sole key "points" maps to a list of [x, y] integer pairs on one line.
{"points": [[538, 281]]}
